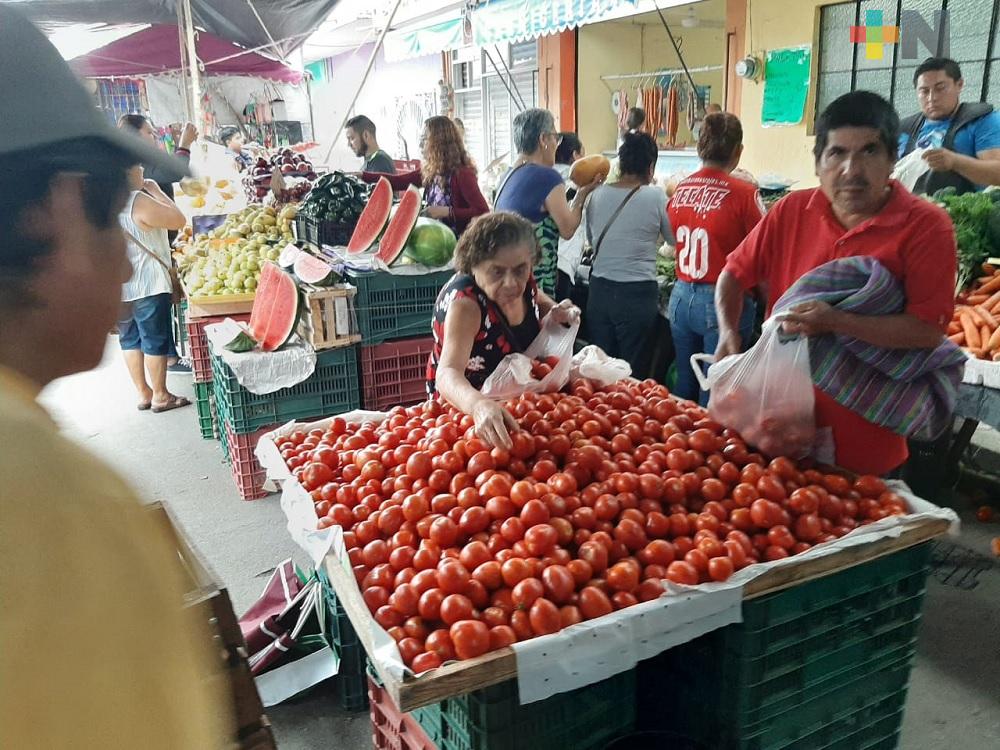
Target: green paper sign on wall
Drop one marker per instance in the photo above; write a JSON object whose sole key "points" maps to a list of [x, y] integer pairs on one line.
{"points": [[786, 86]]}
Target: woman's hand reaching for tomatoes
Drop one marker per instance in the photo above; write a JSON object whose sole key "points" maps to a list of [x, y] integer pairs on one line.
{"points": [[494, 423]]}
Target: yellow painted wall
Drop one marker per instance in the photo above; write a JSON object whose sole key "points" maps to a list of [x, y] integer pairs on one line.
{"points": [[786, 150], [634, 45]]}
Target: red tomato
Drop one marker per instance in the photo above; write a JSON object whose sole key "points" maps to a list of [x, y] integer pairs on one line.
{"points": [[623, 576], [559, 583], [455, 607], [594, 603], [453, 577], [425, 661], [544, 617], [502, 636], [439, 643], [515, 570], [470, 637], [682, 572], [720, 568]]}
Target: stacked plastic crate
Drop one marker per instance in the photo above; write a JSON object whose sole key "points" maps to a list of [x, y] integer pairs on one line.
{"points": [[245, 416], [394, 317], [201, 370]]}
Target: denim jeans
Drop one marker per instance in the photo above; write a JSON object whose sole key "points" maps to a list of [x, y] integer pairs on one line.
{"points": [[695, 330], [620, 316]]}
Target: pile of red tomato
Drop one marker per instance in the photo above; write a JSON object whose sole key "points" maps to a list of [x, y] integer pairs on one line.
{"points": [[460, 549]]}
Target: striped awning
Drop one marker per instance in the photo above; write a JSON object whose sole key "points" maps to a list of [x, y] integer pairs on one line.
{"points": [[518, 20], [426, 40]]}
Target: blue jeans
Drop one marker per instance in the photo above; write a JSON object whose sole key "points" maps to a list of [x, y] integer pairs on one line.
{"points": [[695, 330], [620, 316]]}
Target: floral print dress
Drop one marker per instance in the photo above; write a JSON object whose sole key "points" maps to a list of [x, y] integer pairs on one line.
{"points": [[496, 338]]}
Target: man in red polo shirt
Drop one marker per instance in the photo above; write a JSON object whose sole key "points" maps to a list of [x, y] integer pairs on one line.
{"points": [[857, 210]]}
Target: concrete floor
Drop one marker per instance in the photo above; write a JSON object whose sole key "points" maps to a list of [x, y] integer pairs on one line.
{"points": [[954, 696]]}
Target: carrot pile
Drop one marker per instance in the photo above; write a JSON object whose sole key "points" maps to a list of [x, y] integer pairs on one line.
{"points": [[975, 325]]}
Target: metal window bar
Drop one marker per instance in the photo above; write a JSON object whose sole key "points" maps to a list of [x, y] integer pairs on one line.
{"points": [[990, 52]]}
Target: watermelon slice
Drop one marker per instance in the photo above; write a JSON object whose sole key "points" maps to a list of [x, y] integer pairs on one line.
{"points": [[258, 313], [372, 219], [289, 255], [312, 270], [400, 225], [275, 312]]}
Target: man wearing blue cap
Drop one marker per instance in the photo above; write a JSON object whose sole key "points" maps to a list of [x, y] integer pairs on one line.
{"points": [[96, 650]]}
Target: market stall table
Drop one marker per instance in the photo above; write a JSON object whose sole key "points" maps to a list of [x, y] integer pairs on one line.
{"points": [[976, 404]]}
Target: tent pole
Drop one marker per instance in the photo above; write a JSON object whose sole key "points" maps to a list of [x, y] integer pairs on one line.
{"points": [[267, 31], [364, 79], [192, 55], [183, 57]]}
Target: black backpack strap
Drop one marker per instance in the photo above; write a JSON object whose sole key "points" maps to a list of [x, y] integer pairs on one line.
{"points": [[597, 245]]}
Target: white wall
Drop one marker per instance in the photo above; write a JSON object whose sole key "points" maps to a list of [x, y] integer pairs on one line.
{"points": [[398, 97]]}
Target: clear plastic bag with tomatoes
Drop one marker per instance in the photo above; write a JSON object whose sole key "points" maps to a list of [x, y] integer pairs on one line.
{"points": [[544, 367], [766, 393]]}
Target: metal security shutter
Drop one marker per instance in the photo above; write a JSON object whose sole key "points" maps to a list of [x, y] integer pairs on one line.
{"points": [[469, 109]]}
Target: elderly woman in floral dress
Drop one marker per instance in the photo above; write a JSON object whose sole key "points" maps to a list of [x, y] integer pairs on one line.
{"points": [[490, 308]]}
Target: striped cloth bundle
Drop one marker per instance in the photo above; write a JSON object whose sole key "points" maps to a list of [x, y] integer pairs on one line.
{"points": [[909, 391]]}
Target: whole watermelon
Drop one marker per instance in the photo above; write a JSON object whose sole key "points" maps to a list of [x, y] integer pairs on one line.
{"points": [[431, 243]]}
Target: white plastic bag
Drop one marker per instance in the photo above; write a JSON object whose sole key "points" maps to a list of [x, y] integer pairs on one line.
{"points": [[911, 168], [766, 393], [513, 375], [592, 362]]}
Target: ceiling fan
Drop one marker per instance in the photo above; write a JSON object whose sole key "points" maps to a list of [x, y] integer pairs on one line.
{"points": [[691, 20]]}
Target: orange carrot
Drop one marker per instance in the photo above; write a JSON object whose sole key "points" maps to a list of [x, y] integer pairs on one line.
{"points": [[983, 279], [984, 334], [957, 338], [990, 286], [971, 332], [992, 301], [977, 353], [996, 356], [993, 344], [976, 317], [954, 327], [987, 268], [977, 298], [987, 316]]}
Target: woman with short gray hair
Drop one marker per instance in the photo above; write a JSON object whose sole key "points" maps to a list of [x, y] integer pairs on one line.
{"points": [[535, 190]]}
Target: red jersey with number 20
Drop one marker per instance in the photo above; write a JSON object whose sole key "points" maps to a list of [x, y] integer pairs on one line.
{"points": [[711, 212]]}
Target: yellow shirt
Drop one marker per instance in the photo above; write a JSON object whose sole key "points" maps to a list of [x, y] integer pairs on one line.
{"points": [[95, 648]]}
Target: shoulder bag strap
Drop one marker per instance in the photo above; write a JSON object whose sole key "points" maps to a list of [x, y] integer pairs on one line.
{"points": [[597, 245], [150, 253], [506, 179]]}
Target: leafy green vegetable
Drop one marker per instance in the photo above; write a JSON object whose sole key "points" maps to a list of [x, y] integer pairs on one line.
{"points": [[976, 217]]}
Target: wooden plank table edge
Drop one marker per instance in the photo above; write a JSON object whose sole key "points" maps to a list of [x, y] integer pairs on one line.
{"points": [[499, 666]]}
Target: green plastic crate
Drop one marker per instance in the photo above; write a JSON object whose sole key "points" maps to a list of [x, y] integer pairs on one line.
{"points": [[352, 678], [806, 664], [204, 401], [390, 306], [333, 388], [493, 718]]}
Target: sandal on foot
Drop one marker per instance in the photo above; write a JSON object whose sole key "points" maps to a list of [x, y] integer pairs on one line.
{"points": [[144, 406], [175, 402]]}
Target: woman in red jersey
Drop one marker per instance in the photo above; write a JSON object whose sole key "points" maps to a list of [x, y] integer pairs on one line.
{"points": [[711, 212]]}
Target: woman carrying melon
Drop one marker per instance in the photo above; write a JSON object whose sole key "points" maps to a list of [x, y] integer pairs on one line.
{"points": [[447, 175], [490, 308], [534, 189]]}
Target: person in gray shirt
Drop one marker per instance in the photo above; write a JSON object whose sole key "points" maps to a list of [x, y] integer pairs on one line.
{"points": [[625, 221]]}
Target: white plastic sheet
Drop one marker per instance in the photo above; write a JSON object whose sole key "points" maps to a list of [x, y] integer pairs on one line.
{"points": [[263, 372]]}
